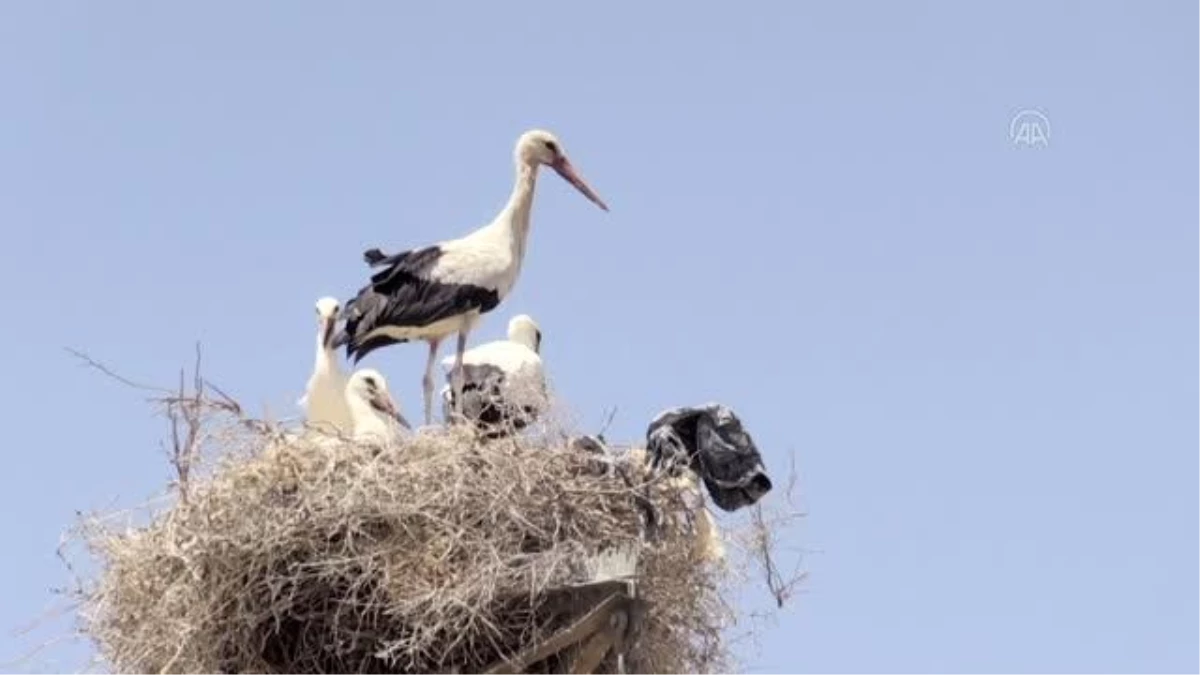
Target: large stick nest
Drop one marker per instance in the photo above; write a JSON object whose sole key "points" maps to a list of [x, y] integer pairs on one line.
{"points": [[440, 554]]}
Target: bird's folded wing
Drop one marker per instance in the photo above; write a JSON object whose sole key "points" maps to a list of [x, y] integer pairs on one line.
{"points": [[415, 263], [417, 302]]}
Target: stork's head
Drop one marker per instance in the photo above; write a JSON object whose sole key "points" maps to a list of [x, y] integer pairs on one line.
{"points": [[538, 147], [523, 330], [327, 314], [368, 386]]}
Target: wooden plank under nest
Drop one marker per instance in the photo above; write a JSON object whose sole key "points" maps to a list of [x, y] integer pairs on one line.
{"points": [[602, 629]]}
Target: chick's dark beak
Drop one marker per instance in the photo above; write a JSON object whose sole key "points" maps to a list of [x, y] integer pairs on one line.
{"points": [[383, 403], [327, 331]]}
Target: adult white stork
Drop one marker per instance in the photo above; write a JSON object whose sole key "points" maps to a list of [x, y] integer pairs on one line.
{"points": [[324, 400], [504, 386], [431, 292], [374, 413]]}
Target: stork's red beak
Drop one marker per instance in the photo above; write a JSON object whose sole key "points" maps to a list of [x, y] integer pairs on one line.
{"points": [[563, 166]]}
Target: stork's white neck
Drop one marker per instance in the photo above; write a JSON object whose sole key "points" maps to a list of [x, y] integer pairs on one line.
{"points": [[515, 217], [524, 334], [325, 360]]}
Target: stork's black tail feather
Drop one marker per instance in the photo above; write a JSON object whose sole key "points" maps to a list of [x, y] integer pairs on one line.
{"points": [[356, 350]]}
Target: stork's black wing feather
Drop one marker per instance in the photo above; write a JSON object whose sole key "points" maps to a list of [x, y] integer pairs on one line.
{"points": [[418, 262], [374, 257]]}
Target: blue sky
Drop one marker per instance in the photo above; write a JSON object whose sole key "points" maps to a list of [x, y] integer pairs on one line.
{"points": [[983, 355]]}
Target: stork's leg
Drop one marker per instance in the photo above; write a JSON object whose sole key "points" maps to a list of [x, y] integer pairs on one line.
{"points": [[456, 375], [427, 381]]}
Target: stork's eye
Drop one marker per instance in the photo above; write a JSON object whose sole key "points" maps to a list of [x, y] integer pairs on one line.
{"points": [[552, 146]]}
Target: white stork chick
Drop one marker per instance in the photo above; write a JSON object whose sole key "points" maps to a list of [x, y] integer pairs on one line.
{"points": [[375, 414], [707, 537], [431, 292], [709, 546], [324, 399], [504, 385]]}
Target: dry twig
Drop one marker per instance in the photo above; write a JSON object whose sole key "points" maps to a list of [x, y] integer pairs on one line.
{"points": [[764, 547]]}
